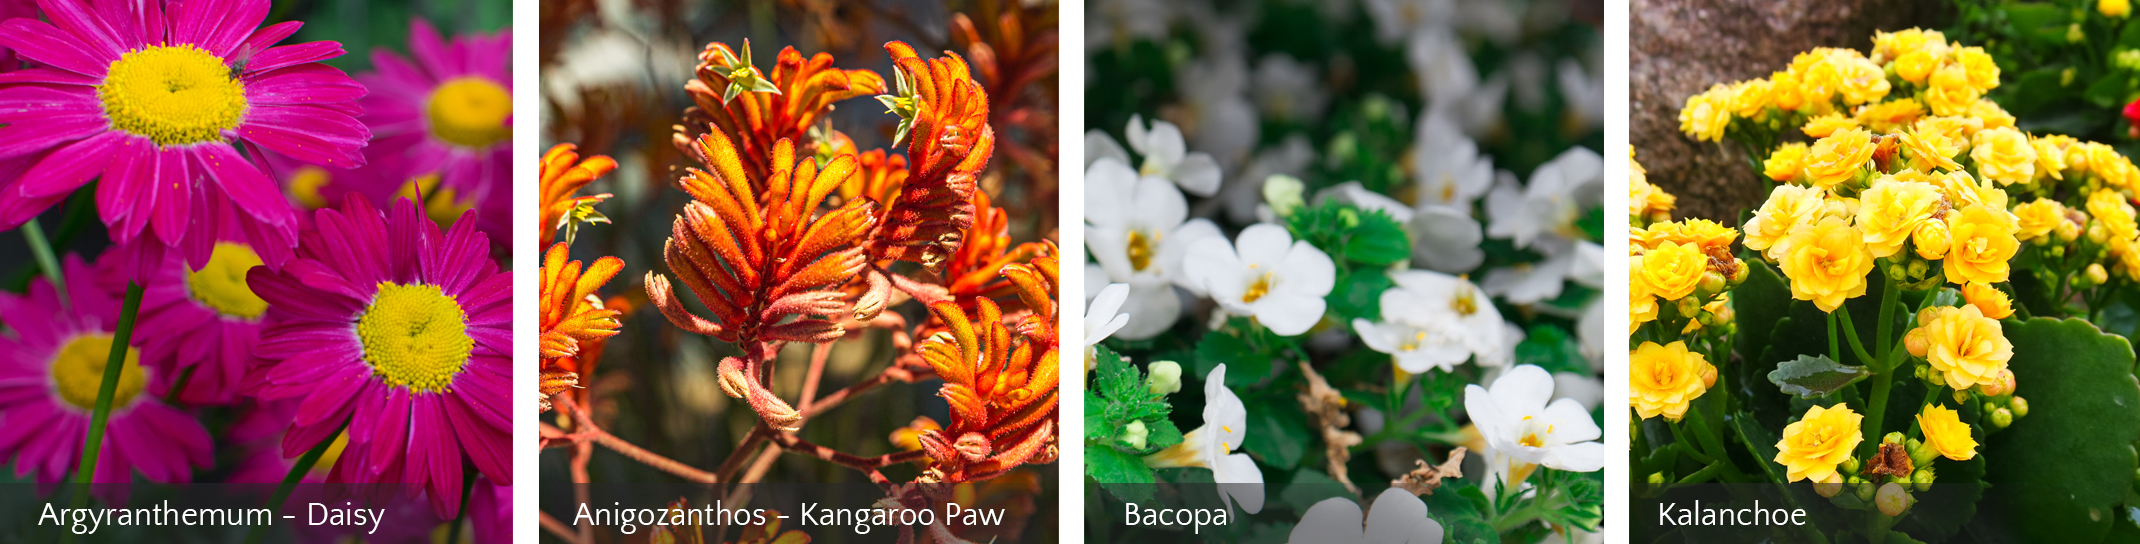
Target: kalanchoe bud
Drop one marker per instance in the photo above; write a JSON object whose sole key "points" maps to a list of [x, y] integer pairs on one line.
{"points": [[1919, 267], [2000, 418], [1893, 499], [1163, 377], [1920, 454], [1689, 306], [1895, 272], [1708, 376], [2019, 406], [2096, 274], [1915, 342], [2000, 385], [2067, 232], [1850, 466], [1283, 194], [1738, 276], [1135, 434], [1657, 478], [1863, 489], [1923, 478], [1829, 487], [1712, 283], [1892, 438]]}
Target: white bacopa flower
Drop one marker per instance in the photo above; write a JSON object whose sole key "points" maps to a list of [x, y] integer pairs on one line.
{"points": [[1395, 19], [1451, 172], [1550, 203], [1223, 121], [1167, 157], [1103, 314], [1289, 89], [1432, 320], [1584, 95], [1446, 239], [1211, 446], [1444, 68], [1522, 430], [1134, 228], [1098, 145], [1265, 274], [1397, 517]]}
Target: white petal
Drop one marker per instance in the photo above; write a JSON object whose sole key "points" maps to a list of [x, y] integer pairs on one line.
{"points": [[1522, 390], [1393, 516], [1164, 144], [1098, 145], [1485, 413], [1288, 314], [1578, 457], [1582, 389], [1446, 239], [1333, 520], [1263, 246], [1380, 337], [1175, 247], [1212, 264], [1109, 185], [1358, 196], [1571, 422], [1152, 308], [1103, 316], [1198, 174], [1588, 265], [1139, 135], [1307, 271], [1225, 418], [1240, 481], [1157, 204], [1110, 246], [1444, 357]]}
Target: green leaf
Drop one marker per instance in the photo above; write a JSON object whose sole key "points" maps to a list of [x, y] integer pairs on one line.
{"points": [[2062, 471], [1378, 240], [1309, 487], [1277, 434], [1120, 473], [1757, 304], [2107, 92], [1245, 349], [1162, 434], [1358, 295], [1552, 349], [1814, 376], [1116, 379], [1461, 509]]}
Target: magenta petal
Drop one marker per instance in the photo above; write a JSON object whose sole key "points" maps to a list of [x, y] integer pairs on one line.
{"points": [[42, 43], [135, 22], [270, 35], [173, 206], [51, 76], [390, 433], [76, 18], [292, 55], [333, 399], [302, 84], [136, 170], [25, 138], [287, 295], [252, 191], [36, 102], [425, 43], [487, 445], [67, 168], [299, 142], [290, 340], [449, 265]]}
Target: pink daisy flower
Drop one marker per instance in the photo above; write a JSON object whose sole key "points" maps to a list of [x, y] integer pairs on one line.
{"points": [[201, 321], [446, 112], [404, 333], [50, 369], [156, 103]]}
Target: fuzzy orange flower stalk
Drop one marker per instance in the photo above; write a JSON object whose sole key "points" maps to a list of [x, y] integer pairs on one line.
{"points": [[944, 116], [563, 175], [1001, 392], [976, 270], [759, 108], [571, 315], [756, 257]]}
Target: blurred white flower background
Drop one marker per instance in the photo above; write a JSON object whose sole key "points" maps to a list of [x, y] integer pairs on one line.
{"points": [[1366, 235]]}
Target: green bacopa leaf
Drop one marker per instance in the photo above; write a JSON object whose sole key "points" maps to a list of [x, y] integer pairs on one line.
{"points": [[1122, 474], [1378, 240], [1815, 376]]}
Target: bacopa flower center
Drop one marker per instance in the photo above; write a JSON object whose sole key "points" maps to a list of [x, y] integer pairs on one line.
{"points": [[173, 95], [470, 112], [415, 336], [78, 370], [220, 283]]}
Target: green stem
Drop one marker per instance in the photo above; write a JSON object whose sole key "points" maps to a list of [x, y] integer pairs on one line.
{"points": [[1691, 448], [1705, 474], [113, 362], [41, 249], [290, 480], [1850, 331], [1882, 382], [179, 386], [1888, 293], [1835, 341]]}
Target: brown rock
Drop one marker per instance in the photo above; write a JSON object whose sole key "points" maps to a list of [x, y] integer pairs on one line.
{"points": [[1678, 48]]}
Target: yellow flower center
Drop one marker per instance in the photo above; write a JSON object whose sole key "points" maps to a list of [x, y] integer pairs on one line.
{"points": [[442, 205], [1465, 302], [415, 336], [306, 183], [1448, 187], [174, 95], [1262, 287], [1140, 250], [220, 284], [470, 111], [78, 371]]}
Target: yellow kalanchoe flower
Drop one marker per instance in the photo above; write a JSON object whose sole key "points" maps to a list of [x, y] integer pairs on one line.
{"points": [[2116, 215], [2050, 155], [1788, 206], [1931, 148], [1983, 72], [1813, 446], [1988, 300], [1783, 91], [1862, 81], [1706, 115], [1786, 163], [2037, 218], [1949, 92], [1990, 115], [1822, 126], [1673, 270], [1945, 433], [2114, 8], [1890, 212], [1826, 263], [1838, 157], [1665, 379], [1983, 243], [1966, 347], [2004, 155], [1749, 98], [1932, 239], [1886, 116], [1641, 303]]}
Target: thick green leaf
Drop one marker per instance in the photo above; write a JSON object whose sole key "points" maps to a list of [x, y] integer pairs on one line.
{"points": [[1757, 304], [1358, 295], [2061, 472], [1461, 509], [1814, 376], [1236, 346], [1378, 241], [1122, 474], [2107, 92], [1277, 434]]}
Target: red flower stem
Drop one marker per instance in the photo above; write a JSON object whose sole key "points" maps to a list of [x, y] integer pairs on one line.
{"points": [[636, 453], [113, 363], [890, 373], [581, 454], [796, 444], [818, 354], [742, 453]]}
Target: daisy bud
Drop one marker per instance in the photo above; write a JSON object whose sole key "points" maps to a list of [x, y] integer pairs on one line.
{"points": [[1163, 377], [1829, 487], [1893, 499], [1135, 434], [2019, 406]]}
